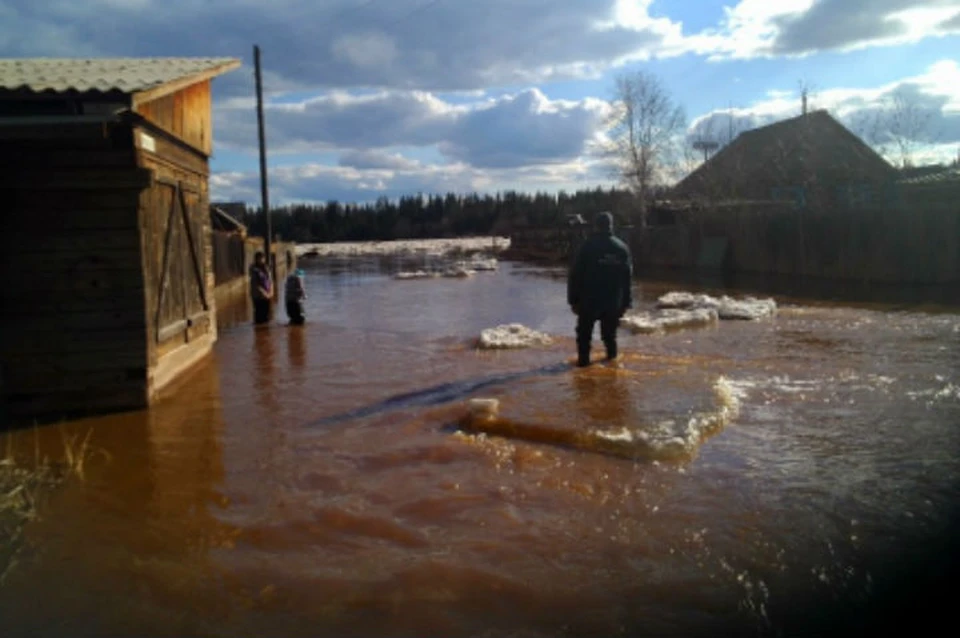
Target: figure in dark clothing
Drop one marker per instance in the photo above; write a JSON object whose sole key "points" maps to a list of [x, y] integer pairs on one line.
{"points": [[261, 289], [598, 288], [295, 293]]}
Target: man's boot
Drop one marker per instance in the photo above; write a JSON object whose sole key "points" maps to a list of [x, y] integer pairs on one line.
{"points": [[611, 350], [583, 358]]}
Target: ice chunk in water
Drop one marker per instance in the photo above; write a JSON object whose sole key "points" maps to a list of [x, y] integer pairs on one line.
{"points": [[513, 335], [672, 439], [749, 308], [406, 247], [686, 300], [726, 307], [647, 323], [483, 264], [457, 272], [415, 274]]}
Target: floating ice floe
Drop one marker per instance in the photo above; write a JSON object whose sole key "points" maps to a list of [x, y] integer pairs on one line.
{"points": [[668, 440], [455, 272], [512, 336], [686, 301], [748, 308], [415, 274], [674, 439], [671, 319], [480, 264], [435, 247]]}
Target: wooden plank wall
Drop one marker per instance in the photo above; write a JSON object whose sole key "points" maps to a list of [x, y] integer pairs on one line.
{"points": [[228, 255], [177, 255], [72, 327], [186, 114]]}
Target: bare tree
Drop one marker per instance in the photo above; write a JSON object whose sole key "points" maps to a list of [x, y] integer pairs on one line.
{"points": [[646, 134], [908, 123], [896, 128]]}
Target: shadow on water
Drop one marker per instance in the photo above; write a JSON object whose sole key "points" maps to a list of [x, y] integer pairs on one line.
{"points": [[439, 394]]}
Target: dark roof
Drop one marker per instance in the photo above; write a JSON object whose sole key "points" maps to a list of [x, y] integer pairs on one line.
{"points": [[147, 78], [789, 150], [222, 220]]}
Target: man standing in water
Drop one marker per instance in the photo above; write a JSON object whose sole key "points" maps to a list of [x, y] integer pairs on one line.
{"points": [[598, 288], [261, 289]]}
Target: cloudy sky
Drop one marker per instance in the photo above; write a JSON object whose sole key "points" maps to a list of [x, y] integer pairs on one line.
{"points": [[390, 97]]}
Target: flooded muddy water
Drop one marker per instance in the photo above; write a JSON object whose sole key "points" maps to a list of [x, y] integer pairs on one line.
{"points": [[316, 480]]}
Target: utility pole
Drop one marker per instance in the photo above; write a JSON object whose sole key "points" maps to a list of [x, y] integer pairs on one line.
{"points": [[264, 197]]}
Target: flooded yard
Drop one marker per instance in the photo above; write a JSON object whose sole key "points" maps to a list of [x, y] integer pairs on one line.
{"points": [[315, 480]]}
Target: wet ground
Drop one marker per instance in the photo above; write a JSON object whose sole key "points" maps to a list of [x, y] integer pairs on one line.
{"points": [[313, 481]]}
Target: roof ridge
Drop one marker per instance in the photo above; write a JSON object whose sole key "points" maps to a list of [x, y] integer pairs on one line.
{"points": [[105, 75]]}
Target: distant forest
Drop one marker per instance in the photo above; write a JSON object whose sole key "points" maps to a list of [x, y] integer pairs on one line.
{"points": [[434, 216]]}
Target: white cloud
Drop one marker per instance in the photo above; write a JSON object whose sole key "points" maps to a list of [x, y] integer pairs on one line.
{"points": [[365, 50], [319, 182], [377, 159], [759, 28], [519, 129], [405, 44]]}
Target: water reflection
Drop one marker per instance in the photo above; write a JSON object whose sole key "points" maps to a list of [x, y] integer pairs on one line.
{"points": [[129, 546], [296, 347], [265, 368], [604, 395]]}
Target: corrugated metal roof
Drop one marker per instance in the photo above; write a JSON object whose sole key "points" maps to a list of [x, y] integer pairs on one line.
{"points": [[103, 75]]}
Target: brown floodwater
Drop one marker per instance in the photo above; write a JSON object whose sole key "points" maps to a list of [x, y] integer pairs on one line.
{"points": [[321, 480]]}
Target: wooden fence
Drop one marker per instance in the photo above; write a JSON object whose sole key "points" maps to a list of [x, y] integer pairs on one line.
{"points": [[228, 256]]}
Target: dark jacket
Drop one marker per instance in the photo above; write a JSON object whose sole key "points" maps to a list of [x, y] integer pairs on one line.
{"points": [[260, 278], [600, 279]]}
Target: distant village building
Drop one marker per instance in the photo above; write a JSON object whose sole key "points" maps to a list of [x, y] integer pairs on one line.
{"points": [[106, 243], [809, 160]]}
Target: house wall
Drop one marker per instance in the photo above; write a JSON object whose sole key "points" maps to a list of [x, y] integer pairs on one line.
{"points": [[72, 326]]}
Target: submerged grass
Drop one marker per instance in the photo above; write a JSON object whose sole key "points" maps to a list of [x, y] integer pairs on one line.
{"points": [[24, 484]]}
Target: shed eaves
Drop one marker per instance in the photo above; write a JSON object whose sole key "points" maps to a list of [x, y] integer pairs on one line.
{"points": [[103, 75]]}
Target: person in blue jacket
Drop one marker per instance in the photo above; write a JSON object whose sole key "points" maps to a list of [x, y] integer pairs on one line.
{"points": [[599, 288]]}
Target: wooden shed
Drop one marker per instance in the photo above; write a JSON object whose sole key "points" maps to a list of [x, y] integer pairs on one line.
{"points": [[105, 245]]}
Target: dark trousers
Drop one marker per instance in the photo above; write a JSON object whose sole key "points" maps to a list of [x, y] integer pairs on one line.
{"points": [[295, 312], [608, 334], [261, 310]]}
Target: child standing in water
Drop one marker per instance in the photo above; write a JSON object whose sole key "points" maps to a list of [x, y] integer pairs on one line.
{"points": [[295, 293]]}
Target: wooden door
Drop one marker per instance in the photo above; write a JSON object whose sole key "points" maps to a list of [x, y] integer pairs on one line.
{"points": [[181, 294]]}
